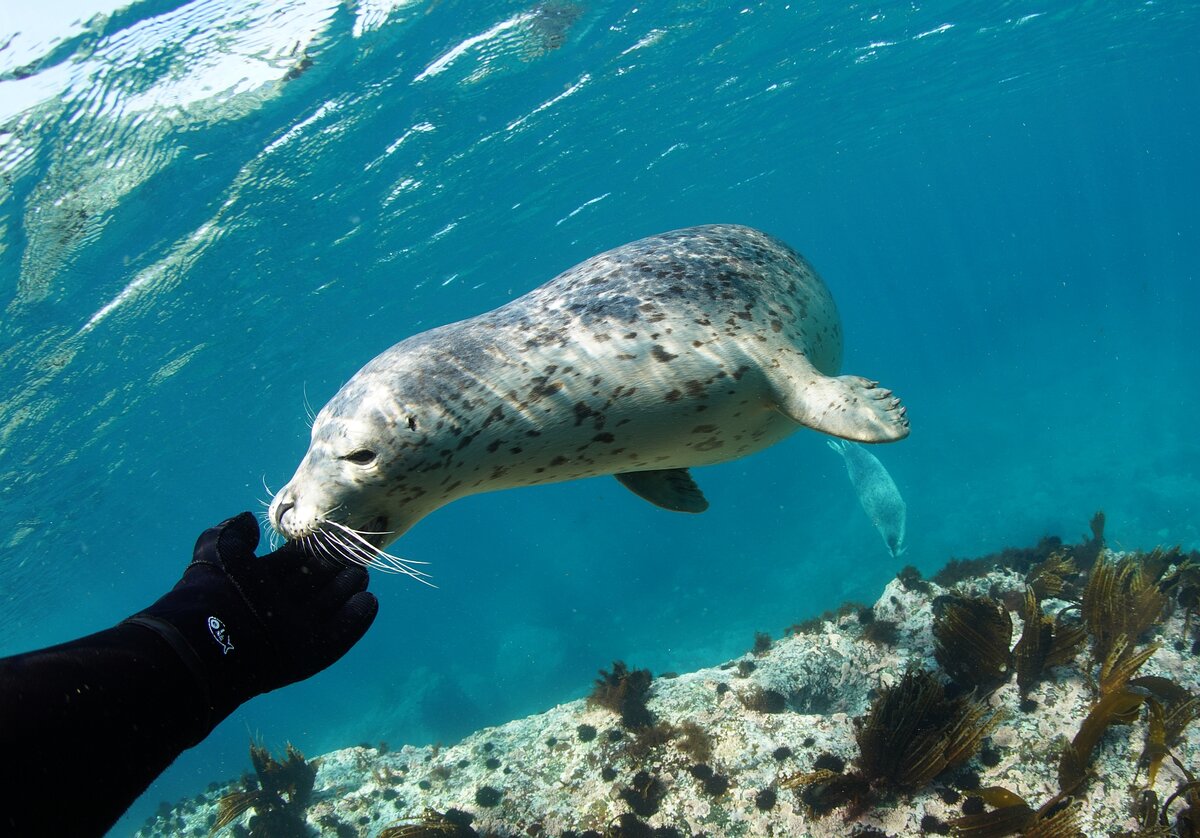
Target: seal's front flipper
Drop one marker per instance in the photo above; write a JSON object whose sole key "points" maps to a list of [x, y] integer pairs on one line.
{"points": [[847, 406], [670, 488]]}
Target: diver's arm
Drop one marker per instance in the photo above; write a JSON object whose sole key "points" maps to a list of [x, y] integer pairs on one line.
{"points": [[87, 725]]}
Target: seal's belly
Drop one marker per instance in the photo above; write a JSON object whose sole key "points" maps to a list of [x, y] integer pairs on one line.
{"points": [[594, 411]]}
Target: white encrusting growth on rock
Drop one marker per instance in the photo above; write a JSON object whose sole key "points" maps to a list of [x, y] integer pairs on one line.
{"points": [[547, 774]]}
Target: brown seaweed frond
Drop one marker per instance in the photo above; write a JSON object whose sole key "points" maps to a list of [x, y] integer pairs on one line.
{"points": [[1154, 821], [1122, 598], [1044, 642], [1057, 819], [1048, 578], [1187, 821], [1089, 550], [971, 637], [1117, 707], [292, 779], [1011, 814], [1170, 709], [433, 824], [694, 741], [624, 691], [647, 739], [913, 732], [1183, 582], [1146, 813], [1121, 662], [231, 807], [283, 793], [763, 700], [823, 790], [1155, 749], [1029, 655], [762, 644]]}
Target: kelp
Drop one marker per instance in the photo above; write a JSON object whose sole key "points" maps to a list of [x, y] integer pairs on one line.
{"points": [[452, 823], [1116, 707], [283, 793], [912, 733], [1170, 709], [1183, 583], [1122, 600], [1045, 642], [1012, 815], [1122, 661], [823, 790], [624, 691], [971, 638], [1154, 820], [1049, 578]]}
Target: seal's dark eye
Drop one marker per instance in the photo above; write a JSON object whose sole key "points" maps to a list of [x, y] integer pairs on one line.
{"points": [[362, 457]]}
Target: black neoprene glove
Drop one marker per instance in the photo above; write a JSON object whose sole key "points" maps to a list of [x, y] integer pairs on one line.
{"points": [[245, 625]]}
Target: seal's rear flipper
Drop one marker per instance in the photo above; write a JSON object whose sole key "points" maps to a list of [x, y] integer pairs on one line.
{"points": [[670, 488], [848, 406]]}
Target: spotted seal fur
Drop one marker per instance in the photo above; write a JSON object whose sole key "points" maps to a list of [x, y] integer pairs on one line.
{"points": [[683, 349]]}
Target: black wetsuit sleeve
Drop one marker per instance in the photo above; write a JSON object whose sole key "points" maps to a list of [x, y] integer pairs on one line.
{"points": [[86, 726]]}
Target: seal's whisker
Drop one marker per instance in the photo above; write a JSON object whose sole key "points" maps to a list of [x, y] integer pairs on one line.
{"points": [[352, 552], [313, 545], [335, 549], [372, 556], [312, 416], [355, 553], [357, 535], [382, 558], [270, 494], [264, 522]]}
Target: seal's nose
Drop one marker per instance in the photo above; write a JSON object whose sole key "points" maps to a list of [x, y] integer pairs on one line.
{"points": [[282, 507]]}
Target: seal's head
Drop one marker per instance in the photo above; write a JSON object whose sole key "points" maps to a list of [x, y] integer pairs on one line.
{"points": [[352, 494]]}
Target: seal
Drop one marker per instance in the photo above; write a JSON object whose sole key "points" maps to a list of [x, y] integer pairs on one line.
{"points": [[683, 349], [877, 493]]}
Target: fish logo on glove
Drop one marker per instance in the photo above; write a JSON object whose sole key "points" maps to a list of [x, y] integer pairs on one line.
{"points": [[217, 629]]}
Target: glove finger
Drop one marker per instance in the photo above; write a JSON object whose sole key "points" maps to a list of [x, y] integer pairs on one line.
{"points": [[345, 585], [293, 558], [237, 538], [225, 536], [349, 625]]}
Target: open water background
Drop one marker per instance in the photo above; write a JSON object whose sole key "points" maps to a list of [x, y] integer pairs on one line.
{"points": [[210, 211]]}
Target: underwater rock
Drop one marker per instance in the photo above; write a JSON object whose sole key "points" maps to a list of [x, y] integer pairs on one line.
{"points": [[830, 676]]}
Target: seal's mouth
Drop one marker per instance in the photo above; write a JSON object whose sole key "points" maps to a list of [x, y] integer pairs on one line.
{"points": [[342, 543], [376, 530]]}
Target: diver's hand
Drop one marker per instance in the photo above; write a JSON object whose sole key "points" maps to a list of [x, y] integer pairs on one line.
{"points": [[246, 625]]}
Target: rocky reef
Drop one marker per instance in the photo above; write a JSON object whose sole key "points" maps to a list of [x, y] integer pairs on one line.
{"points": [[1043, 692]]}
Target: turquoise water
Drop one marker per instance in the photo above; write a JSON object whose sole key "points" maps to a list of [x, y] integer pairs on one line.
{"points": [[213, 211]]}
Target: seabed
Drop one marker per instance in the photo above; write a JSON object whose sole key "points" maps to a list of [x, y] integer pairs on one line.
{"points": [[1047, 691]]}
